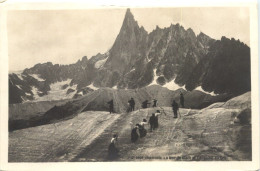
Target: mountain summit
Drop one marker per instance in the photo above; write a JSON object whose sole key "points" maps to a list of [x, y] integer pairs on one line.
{"points": [[128, 46], [166, 56]]}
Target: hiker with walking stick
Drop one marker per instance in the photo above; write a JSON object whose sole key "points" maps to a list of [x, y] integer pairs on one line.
{"points": [[154, 102]]}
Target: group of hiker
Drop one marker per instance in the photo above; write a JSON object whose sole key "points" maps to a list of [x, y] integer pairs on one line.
{"points": [[139, 130], [131, 105]]}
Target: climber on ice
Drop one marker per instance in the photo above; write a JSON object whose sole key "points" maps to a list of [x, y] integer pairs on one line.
{"points": [[154, 102], [142, 129], [145, 104], [132, 104], [152, 122], [156, 123], [111, 106], [175, 108], [135, 133], [112, 150]]}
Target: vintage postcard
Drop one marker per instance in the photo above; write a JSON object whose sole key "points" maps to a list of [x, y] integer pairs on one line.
{"points": [[141, 86]]}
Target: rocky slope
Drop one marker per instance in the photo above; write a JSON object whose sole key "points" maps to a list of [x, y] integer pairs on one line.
{"points": [[226, 68], [138, 58]]}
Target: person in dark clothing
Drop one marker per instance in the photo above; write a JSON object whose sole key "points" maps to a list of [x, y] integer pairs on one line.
{"points": [[135, 134], [154, 102], [182, 100], [111, 106], [132, 104], [152, 121], [175, 108], [144, 104], [156, 123], [112, 150]]}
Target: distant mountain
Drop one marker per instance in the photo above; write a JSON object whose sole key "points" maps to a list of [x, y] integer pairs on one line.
{"points": [[138, 58]]}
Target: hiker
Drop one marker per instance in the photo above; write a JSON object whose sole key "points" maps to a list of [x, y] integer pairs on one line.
{"points": [[111, 106], [135, 133], [112, 150], [143, 123], [142, 129], [182, 100], [152, 122], [175, 108], [154, 102], [144, 104], [156, 123], [132, 104]]}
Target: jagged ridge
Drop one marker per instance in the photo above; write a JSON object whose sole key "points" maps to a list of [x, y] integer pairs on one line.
{"points": [[173, 53]]}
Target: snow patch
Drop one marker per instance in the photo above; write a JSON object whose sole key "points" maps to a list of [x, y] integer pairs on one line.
{"points": [[154, 78], [19, 75], [93, 87], [115, 87], [173, 86], [56, 92], [100, 63], [37, 77], [23, 100], [210, 93], [28, 94], [35, 92], [19, 87], [132, 70]]}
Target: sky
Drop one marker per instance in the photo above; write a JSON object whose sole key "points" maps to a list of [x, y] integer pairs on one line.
{"points": [[65, 36]]}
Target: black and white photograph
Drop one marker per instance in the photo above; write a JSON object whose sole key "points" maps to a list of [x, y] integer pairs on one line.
{"points": [[130, 84]]}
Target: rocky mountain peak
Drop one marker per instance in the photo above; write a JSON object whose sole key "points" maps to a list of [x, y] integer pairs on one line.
{"points": [[173, 53], [203, 36], [129, 20], [128, 14], [127, 45]]}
